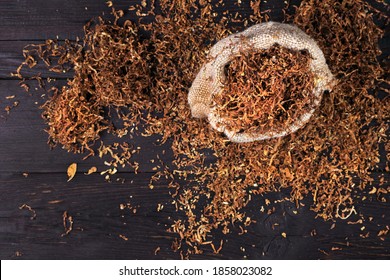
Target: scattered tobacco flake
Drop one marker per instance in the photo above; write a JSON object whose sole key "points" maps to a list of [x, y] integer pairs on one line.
{"points": [[383, 233], [55, 201], [71, 171], [133, 208], [323, 252], [28, 207], [266, 90], [18, 254], [123, 237], [119, 155], [67, 222], [8, 108], [92, 170]]}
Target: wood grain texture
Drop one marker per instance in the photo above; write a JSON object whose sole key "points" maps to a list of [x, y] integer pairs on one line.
{"points": [[94, 204], [99, 222]]}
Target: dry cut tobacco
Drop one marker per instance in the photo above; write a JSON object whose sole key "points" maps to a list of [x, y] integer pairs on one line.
{"points": [[145, 81], [266, 90]]}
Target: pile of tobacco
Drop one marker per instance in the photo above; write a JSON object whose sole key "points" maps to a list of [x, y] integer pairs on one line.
{"points": [[140, 72], [263, 93]]}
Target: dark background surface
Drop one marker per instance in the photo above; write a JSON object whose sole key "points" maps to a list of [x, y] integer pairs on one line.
{"points": [[93, 203]]}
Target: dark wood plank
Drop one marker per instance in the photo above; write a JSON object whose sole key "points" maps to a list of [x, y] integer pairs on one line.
{"points": [[95, 208], [99, 222], [30, 20]]}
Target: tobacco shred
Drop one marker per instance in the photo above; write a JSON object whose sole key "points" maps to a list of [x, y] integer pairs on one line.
{"points": [[71, 171], [145, 80], [29, 208], [67, 222]]}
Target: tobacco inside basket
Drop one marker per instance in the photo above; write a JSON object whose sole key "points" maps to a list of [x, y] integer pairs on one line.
{"points": [[266, 90]]}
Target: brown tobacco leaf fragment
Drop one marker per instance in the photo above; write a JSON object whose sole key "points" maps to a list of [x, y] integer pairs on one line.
{"points": [[67, 222], [29, 208], [123, 237], [18, 254], [91, 170], [373, 190], [72, 169]]}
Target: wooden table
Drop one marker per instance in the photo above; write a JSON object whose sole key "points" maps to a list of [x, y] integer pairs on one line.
{"points": [[101, 230]]}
